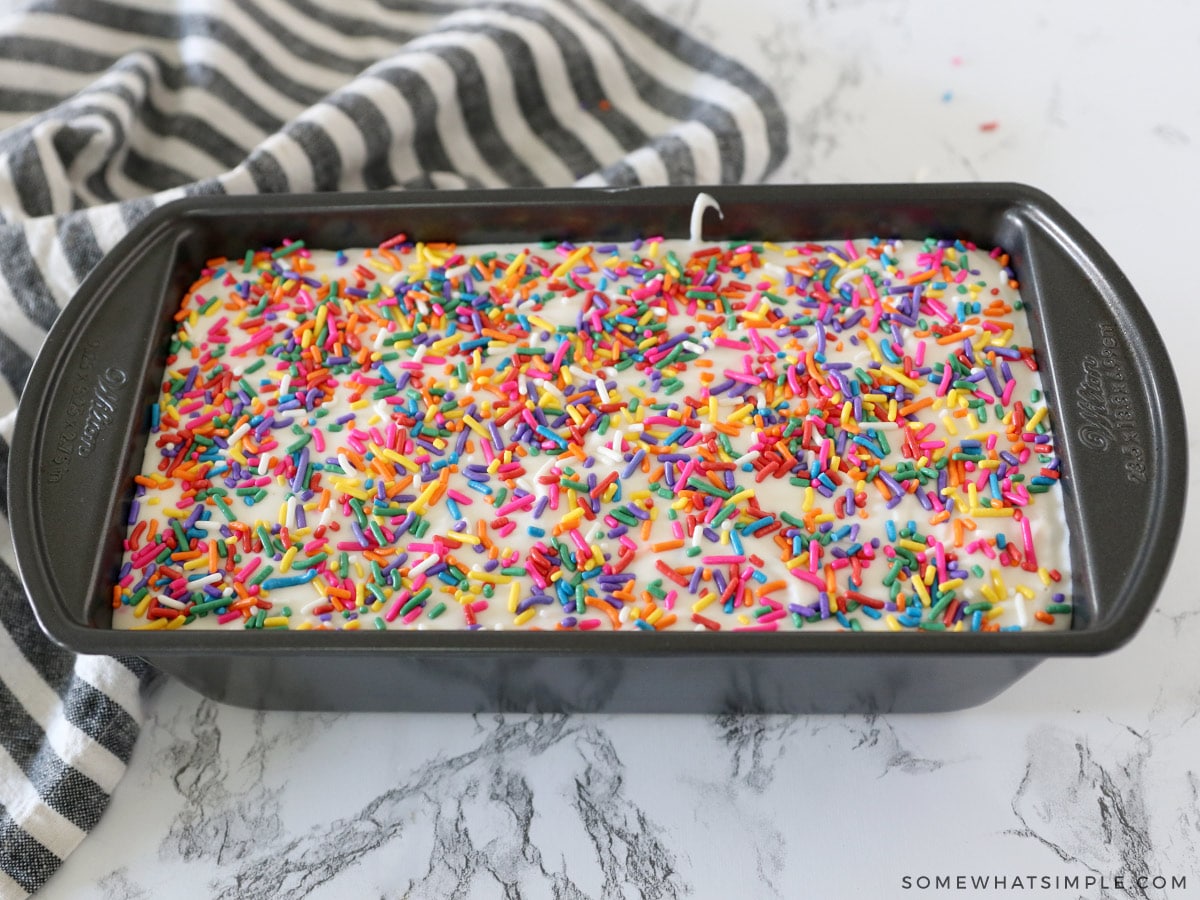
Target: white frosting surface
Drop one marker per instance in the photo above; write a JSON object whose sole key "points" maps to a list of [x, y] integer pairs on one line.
{"points": [[596, 389]]}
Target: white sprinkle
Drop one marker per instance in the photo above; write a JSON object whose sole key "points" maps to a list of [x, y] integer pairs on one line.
{"points": [[170, 602], [427, 563], [344, 462], [238, 433]]}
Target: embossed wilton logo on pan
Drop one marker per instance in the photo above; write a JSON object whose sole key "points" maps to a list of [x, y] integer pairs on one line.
{"points": [[1091, 399], [101, 409], [1105, 402]]}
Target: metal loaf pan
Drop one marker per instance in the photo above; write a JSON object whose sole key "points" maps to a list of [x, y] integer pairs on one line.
{"points": [[81, 431]]}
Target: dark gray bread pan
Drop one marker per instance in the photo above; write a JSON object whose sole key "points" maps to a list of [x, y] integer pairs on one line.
{"points": [[1117, 413]]}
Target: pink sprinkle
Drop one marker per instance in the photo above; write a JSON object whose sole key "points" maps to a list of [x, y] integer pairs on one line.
{"points": [[728, 342], [809, 577], [511, 506], [394, 610], [579, 542]]}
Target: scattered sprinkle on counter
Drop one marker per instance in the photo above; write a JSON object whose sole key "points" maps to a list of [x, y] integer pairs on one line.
{"points": [[648, 436]]}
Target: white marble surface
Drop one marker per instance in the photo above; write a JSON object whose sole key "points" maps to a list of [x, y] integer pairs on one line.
{"points": [[1087, 766]]}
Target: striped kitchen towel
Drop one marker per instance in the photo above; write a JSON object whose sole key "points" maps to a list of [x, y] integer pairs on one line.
{"points": [[111, 107]]}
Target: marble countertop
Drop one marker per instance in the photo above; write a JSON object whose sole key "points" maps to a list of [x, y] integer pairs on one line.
{"points": [[1086, 767]]}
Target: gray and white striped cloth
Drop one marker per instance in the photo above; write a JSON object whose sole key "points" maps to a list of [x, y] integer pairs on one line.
{"points": [[111, 107]]}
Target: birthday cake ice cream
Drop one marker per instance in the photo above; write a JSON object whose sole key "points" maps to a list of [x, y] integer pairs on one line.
{"points": [[663, 434]]}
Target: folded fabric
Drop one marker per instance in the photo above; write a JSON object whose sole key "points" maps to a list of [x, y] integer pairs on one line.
{"points": [[109, 108]]}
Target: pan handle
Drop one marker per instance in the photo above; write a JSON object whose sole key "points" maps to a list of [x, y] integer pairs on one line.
{"points": [[1118, 417], [81, 419]]}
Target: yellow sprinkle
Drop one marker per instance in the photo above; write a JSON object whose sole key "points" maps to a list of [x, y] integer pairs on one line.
{"points": [[476, 426], [157, 624], [704, 602], [143, 605], [998, 581], [952, 584], [893, 624], [570, 262], [1026, 592], [989, 512], [655, 616], [572, 518], [738, 414], [286, 562], [912, 545], [273, 621], [1036, 419], [741, 495], [922, 591], [419, 505], [1044, 575], [525, 616], [901, 377], [515, 265], [514, 595]]}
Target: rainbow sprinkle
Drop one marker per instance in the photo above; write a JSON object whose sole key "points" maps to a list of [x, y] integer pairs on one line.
{"points": [[646, 436]]}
